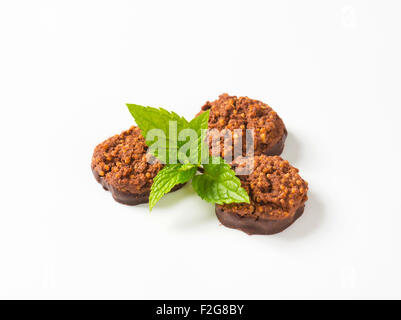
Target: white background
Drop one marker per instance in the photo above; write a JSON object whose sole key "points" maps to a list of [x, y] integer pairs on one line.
{"points": [[331, 69]]}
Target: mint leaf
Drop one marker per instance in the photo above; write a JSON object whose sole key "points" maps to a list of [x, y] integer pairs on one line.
{"points": [[167, 178], [219, 185], [199, 124], [148, 118]]}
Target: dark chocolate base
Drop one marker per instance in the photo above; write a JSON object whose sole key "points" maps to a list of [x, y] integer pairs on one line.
{"points": [[127, 198], [278, 148], [259, 226]]}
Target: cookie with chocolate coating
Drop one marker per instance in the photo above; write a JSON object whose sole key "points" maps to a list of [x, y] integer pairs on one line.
{"points": [[277, 197], [120, 164], [242, 113]]}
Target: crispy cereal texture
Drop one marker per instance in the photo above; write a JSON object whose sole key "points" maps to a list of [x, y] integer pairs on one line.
{"points": [[277, 192], [241, 113]]}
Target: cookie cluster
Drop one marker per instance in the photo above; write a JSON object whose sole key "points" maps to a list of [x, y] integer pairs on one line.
{"points": [[276, 190]]}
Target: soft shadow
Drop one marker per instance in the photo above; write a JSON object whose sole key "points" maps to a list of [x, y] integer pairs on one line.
{"points": [[199, 212], [202, 213], [172, 198], [312, 217], [292, 148]]}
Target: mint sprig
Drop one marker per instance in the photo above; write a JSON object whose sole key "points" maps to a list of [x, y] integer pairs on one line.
{"points": [[167, 178], [217, 184], [148, 118]]}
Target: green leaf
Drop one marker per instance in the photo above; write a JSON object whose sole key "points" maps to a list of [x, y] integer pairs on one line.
{"points": [[148, 118], [167, 178], [199, 124], [219, 185]]}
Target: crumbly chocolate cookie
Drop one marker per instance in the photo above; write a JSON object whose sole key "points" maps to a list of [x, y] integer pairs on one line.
{"points": [[120, 164], [241, 113], [277, 193]]}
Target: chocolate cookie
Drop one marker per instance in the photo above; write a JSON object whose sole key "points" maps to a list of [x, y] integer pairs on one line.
{"points": [[241, 113], [277, 193], [120, 164]]}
